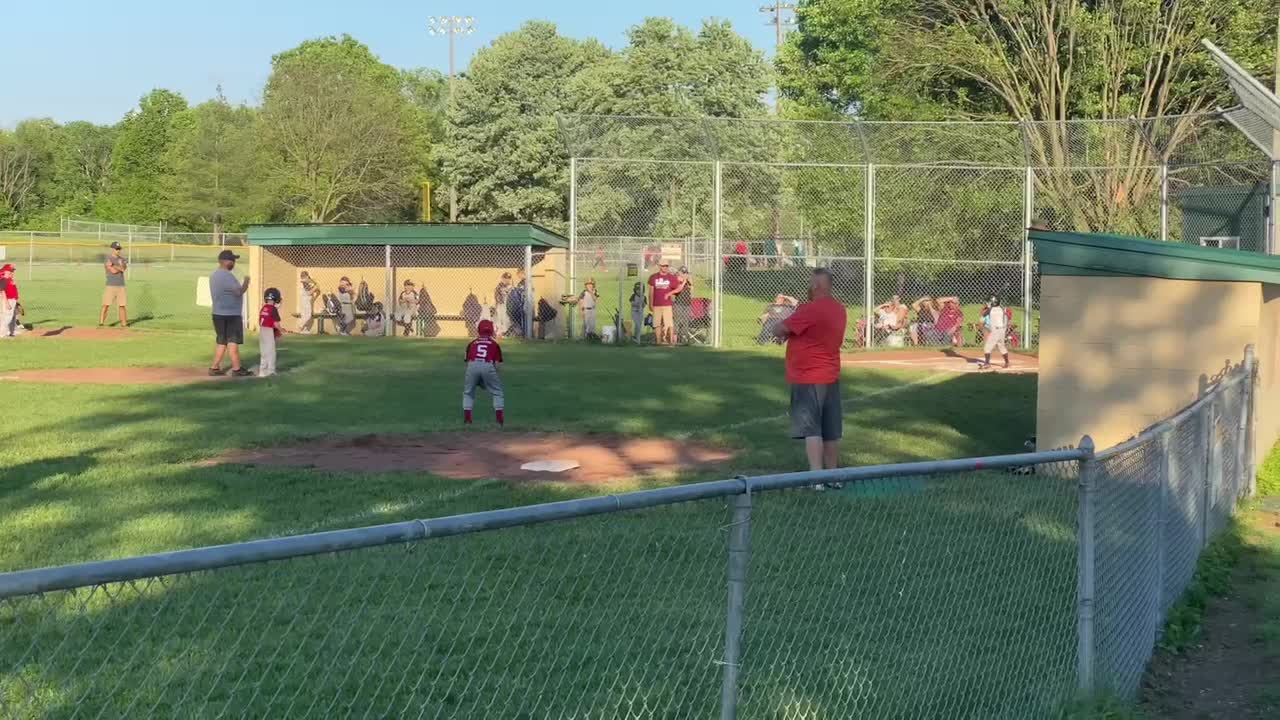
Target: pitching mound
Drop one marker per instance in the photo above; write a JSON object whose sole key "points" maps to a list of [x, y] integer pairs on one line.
{"points": [[78, 333], [946, 360], [481, 455], [115, 376]]}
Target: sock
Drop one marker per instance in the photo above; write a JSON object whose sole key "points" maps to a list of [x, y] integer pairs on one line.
{"points": [[498, 413], [988, 359], [1006, 360], [466, 416]]}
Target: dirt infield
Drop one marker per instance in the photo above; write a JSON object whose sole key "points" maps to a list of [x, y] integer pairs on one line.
{"points": [[116, 376], [945, 360], [78, 333], [483, 455]]}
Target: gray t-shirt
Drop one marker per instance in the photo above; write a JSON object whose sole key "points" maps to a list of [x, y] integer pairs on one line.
{"points": [[224, 289], [116, 279]]}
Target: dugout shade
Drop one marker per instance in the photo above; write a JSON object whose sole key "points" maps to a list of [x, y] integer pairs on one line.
{"points": [[1132, 330], [455, 268]]}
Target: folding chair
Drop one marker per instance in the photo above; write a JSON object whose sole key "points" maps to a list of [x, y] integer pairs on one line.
{"points": [[699, 321]]}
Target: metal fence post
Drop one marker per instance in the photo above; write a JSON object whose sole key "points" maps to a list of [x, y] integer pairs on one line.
{"points": [[1164, 201], [739, 556], [388, 328], [573, 225], [869, 253], [1207, 428], [1085, 550], [31, 252], [128, 267], [529, 299], [1160, 509], [717, 295], [1246, 423], [1028, 209]]}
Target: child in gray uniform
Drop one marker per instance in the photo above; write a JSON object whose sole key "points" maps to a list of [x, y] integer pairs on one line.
{"points": [[484, 355], [638, 303], [587, 301]]}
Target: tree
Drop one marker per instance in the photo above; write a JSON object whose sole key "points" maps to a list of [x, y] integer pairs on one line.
{"points": [[428, 91], [504, 150], [83, 163], [17, 179], [137, 161], [341, 140], [213, 168]]}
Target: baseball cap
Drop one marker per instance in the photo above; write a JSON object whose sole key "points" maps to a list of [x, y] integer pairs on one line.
{"points": [[6, 268], [227, 255], [408, 282], [114, 246], [664, 263]]}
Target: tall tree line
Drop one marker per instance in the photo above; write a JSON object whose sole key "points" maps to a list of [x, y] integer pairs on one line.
{"points": [[340, 136]]}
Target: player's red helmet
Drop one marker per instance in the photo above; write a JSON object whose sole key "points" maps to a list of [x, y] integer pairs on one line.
{"points": [[485, 328]]}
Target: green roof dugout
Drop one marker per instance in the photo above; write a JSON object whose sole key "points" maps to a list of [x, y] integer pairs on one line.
{"points": [[428, 280], [1132, 330]]}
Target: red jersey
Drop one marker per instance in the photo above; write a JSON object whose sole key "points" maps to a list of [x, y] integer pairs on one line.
{"points": [[269, 317], [11, 289], [813, 348], [484, 349], [662, 284]]}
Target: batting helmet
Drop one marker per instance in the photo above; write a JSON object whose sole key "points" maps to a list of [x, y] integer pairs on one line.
{"points": [[272, 295], [485, 328]]}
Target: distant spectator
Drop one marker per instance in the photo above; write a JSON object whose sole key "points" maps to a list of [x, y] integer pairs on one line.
{"points": [[308, 291], [599, 261], [114, 294], [587, 300], [891, 316], [771, 251], [638, 304], [939, 321], [782, 307], [346, 299], [406, 307], [501, 293]]}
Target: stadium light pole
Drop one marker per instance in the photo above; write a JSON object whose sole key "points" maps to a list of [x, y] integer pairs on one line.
{"points": [[452, 26]]}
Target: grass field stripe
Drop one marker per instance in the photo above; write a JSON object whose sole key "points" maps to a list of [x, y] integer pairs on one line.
{"points": [[927, 380]]}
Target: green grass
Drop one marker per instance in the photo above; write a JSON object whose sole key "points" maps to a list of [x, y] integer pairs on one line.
{"points": [[906, 598]]}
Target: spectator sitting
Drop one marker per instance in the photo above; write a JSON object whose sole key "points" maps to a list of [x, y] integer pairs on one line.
{"points": [[939, 321], [406, 308], [891, 317], [782, 307]]}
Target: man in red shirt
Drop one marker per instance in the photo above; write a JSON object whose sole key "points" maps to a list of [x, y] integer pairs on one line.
{"points": [[662, 286], [814, 334]]}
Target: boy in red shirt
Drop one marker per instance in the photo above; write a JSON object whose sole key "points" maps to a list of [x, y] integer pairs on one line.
{"points": [[814, 334], [484, 355], [8, 302], [269, 329]]}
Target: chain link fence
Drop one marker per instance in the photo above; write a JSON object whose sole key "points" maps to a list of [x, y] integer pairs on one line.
{"points": [[922, 222], [994, 587]]}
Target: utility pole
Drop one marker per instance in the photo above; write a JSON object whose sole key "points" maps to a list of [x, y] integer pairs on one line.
{"points": [[452, 26], [783, 18]]}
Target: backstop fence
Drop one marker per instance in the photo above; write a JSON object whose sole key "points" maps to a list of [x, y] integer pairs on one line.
{"points": [[996, 587], [919, 210]]}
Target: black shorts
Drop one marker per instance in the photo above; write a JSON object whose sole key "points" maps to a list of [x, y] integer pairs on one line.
{"points": [[229, 329], [816, 412]]}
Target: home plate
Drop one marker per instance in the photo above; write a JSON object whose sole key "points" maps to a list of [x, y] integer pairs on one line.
{"points": [[550, 465]]}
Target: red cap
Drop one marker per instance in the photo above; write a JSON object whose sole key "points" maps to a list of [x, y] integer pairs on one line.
{"points": [[485, 327]]}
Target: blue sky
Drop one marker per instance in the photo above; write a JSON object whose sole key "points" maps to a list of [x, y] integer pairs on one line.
{"points": [[92, 60]]}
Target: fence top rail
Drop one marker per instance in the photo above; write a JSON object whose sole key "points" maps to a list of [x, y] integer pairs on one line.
{"points": [[1170, 423], [68, 577]]}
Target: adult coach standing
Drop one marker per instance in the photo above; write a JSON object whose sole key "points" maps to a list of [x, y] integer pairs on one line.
{"points": [[814, 334], [227, 294], [115, 293], [663, 285]]}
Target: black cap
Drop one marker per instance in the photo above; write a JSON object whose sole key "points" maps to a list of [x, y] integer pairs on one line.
{"points": [[227, 255], [114, 246]]}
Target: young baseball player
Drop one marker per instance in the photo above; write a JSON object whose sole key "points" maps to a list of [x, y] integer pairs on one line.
{"points": [[8, 302], [484, 355], [638, 304], [587, 302], [996, 322], [269, 330]]}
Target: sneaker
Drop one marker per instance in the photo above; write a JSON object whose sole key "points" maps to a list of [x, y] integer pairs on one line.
{"points": [[835, 486], [217, 372], [241, 372], [820, 487]]}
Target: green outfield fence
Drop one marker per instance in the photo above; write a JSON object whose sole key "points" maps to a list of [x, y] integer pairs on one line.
{"points": [[997, 587]]}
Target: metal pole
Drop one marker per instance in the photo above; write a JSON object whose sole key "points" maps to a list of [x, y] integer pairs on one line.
{"points": [[1271, 216], [1207, 419], [529, 299], [869, 252], [128, 268], [1085, 577], [739, 557], [1159, 511], [1028, 210], [573, 225], [1164, 202], [388, 328], [453, 186], [1246, 423], [717, 264], [31, 252]]}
